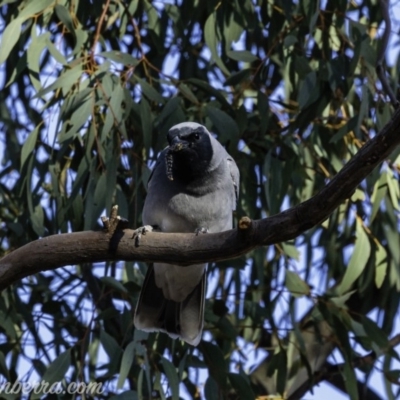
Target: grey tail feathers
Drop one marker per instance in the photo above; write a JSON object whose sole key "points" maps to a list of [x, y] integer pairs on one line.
{"points": [[156, 313]]}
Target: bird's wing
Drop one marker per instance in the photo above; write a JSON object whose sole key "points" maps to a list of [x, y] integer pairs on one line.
{"points": [[157, 165], [235, 175]]}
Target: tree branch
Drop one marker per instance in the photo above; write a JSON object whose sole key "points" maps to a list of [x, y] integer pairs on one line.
{"points": [[183, 248], [332, 373]]}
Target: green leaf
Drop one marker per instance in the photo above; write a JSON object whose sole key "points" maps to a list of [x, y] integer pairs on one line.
{"points": [[358, 260], [216, 363], [379, 192], [58, 368], [126, 363], [364, 107], [20, 67], [381, 264], [34, 7], [276, 184], [29, 146], [58, 56], [37, 220], [350, 380], [114, 283], [290, 250], [296, 286], [173, 380], [227, 128], [210, 36], [79, 117], [344, 130], [34, 53], [99, 197], [120, 57], [110, 345], [226, 328], [169, 108], [281, 377], [10, 37], [205, 86], [115, 111], [393, 186], [241, 386], [82, 37], [65, 17], [64, 81], [187, 92], [238, 77], [133, 5], [340, 301], [290, 40], [211, 389], [376, 334], [309, 90], [242, 55], [148, 90], [358, 195], [152, 15]]}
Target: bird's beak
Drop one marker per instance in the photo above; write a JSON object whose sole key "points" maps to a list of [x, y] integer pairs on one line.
{"points": [[177, 145]]}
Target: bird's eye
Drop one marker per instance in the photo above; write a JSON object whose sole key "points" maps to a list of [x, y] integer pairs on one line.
{"points": [[196, 136]]}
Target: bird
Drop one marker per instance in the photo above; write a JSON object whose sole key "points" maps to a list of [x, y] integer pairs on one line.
{"points": [[193, 187]]}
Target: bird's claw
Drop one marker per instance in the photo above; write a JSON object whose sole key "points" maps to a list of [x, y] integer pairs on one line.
{"points": [[137, 233], [200, 229]]}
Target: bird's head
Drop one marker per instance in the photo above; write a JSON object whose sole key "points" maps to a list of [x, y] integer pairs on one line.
{"points": [[190, 150]]}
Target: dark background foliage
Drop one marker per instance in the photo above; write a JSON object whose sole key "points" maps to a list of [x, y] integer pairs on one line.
{"points": [[89, 90]]}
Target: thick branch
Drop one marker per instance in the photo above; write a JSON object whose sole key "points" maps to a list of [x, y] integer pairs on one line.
{"points": [[184, 249]]}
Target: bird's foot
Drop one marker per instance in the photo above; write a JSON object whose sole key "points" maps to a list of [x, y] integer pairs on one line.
{"points": [[114, 222], [201, 229], [137, 233]]}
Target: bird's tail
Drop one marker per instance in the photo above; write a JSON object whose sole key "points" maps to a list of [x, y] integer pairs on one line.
{"points": [[179, 319]]}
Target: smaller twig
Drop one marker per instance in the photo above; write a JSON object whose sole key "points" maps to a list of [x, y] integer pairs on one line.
{"points": [[380, 71], [329, 371], [99, 25]]}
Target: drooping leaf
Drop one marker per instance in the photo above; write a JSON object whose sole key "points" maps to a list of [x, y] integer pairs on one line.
{"points": [[211, 38], [35, 7], [173, 380], [65, 17], [381, 264], [126, 363], [57, 369], [216, 363], [29, 146], [242, 55], [296, 286], [225, 125], [358, 260], [10, 38], [241, 386]]}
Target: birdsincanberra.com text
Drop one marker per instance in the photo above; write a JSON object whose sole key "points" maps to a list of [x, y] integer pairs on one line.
{"points": [[44, 388]]}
